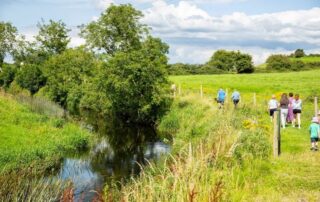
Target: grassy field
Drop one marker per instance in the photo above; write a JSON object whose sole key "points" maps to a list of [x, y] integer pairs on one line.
{"points": [[307, 59], [225, 155], [33, 140]]}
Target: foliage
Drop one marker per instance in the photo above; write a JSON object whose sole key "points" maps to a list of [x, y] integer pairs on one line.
{"points": [[136, 82], [231, 61], [278, 62], [53, 37], [66, 74], [8, 37], [7, 75], [252, 145], [297, 65], [299, 53], [117, 29], [31, 78]]}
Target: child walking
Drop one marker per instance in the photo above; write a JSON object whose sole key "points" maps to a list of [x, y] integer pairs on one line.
{"points": [[314, 130]]}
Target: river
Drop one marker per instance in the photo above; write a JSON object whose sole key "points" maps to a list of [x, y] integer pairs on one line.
{"points": [[117, 154]]}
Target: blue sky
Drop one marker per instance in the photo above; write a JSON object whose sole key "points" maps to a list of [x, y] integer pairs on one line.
{"points": [[194, 29]]}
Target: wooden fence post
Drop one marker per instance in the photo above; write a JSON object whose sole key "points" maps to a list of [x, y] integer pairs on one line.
{"points": [[276, 134], [226, 98], [315, 106], [201, 91]]}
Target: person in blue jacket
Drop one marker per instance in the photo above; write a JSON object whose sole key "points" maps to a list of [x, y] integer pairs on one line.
{"points": [[221, 98], [235, 97]]}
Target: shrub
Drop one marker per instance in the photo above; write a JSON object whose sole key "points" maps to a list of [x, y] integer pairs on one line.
{"points": [[278, 62], [252, 145], [7, 75]]}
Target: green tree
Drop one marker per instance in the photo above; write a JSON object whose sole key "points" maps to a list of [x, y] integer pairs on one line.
{"points": [[8, 36], [31, 78], [136, 82], [299, 53], [7, 75], [53, 37], [66, 74], [222, 60], [117, 29], [243, 63], [230, 61], [278, 62]]}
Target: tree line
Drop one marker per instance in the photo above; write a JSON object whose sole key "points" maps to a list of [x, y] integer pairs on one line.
{"points": [[291, 62], [121, 70], [221, 62]]}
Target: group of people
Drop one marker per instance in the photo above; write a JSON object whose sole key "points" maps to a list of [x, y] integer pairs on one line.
{"points": [[290, 112], [290, 109], [221, 96]]}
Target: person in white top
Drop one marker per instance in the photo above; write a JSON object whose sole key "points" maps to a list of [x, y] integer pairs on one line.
{"points": [[297, 109], [272, 106]]}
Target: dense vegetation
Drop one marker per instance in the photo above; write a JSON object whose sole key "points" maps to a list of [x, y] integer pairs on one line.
{"points": [[120, 62], [225, 155], [221, 62]]}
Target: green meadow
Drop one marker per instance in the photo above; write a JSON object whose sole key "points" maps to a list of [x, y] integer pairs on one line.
{"points": [[33, 140]]}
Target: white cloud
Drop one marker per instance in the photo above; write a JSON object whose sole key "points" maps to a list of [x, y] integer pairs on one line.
{"points": [[103, 4], [259, 35]]}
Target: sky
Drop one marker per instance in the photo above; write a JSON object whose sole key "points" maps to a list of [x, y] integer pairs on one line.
{"points": [[194, 29]]}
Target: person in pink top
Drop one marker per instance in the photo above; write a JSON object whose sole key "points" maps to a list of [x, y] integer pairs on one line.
{"points": [[290, 116]]}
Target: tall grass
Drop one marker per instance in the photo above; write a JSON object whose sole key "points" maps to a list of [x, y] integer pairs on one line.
{"points": [[39, 105], [205, 144]]}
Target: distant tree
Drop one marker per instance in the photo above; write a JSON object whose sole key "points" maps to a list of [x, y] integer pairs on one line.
{"points": [[31, 78], [137, 84], [7, 75], [278, 62], [230, 61], [222, 60], [299, 53], [8, 36], [243, 63], [53, 37], [66, 74], [117, 29]]}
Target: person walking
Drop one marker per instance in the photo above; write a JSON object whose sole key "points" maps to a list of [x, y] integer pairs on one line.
{"points": [[297, 109], [272, 106], [290, 116], [284, 105], [221, 97], [235, 98], [314, 130]]}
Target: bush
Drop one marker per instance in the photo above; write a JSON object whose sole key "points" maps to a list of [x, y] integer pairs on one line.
{"points": [[7, 75], [252, 145], [30, 77], [279, 63], [297, 65]]}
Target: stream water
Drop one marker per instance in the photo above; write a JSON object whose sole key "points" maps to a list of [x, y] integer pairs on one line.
{"points": [[117, 154]]}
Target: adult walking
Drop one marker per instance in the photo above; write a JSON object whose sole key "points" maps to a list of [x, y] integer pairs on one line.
{"points": [[297, 109], [284, 105], [235, 97], [272, 106], [290, 116], [221, 97]]}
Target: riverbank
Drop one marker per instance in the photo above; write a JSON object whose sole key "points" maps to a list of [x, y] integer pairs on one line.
{"points": [[33, 141], [226, 156]]}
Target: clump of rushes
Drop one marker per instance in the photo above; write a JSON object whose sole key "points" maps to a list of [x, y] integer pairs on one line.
{"points": [[203, 156]]}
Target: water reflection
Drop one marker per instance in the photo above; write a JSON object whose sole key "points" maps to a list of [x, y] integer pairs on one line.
{"points": [[117, 154]]}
